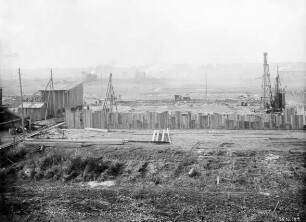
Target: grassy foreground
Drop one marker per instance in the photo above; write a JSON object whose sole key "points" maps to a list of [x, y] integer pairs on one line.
{"points": [[152, 184]]}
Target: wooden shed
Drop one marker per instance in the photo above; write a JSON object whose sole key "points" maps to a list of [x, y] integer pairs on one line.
{"points": [[63, 97], [33, 110]]}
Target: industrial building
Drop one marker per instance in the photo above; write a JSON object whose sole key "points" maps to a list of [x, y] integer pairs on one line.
{"points": [[61, 98]]}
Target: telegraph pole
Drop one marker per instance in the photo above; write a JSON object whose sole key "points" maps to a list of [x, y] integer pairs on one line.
{"points": [[277, 81], [265, 81], [206, 87], [55, 114], [101, 89], [21, 101]]}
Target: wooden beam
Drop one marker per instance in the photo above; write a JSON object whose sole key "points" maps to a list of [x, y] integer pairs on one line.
{"points": [[11, 121], [153, 137], [70, 141], [168, 135], [98, 130]]}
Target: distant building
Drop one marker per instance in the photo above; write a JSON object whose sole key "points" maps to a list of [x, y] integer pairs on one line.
{"points": [[177, 97], [33, 110], [182, 98], [89, 77], [63, 97], [186, 97]]}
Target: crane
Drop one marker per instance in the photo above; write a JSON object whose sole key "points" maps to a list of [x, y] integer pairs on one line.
{"points": [[109, 103], [266, 94], [271, 103]]}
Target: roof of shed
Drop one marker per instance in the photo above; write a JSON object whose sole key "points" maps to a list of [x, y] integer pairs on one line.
{"points": [[64, 86], [32, 105]]}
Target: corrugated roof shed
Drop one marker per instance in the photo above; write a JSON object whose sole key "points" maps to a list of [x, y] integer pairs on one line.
{"points": [[32, 105], [64, 86]]}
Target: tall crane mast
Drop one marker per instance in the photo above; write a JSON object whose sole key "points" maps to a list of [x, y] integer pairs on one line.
{"points": [[110, 102], [279, 95], [266, 94]]}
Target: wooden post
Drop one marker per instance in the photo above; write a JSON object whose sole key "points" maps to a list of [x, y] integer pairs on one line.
{"points": [[21, 100], [153, 138], [168, 135], [163, 136], [157, 135]]}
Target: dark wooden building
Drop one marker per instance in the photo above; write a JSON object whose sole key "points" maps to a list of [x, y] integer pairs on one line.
{"points": [[63, 97], [9, 119]]}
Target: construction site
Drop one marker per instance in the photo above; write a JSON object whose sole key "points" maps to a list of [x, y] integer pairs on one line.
{"points": [[66, 156], [152, 111]]}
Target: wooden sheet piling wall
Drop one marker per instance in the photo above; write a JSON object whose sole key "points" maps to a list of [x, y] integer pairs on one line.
{"points": [[292, 118]]}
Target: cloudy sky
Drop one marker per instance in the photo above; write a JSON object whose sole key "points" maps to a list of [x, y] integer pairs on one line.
{"points": [[71, 33]]}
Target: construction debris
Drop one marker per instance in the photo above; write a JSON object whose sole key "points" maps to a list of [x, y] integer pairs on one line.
{"points": [[192, 172], [264, 193], [272, 157], [107, 183], [21, 138], [52, 134]]}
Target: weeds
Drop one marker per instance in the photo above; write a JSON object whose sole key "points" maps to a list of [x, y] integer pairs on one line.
{"points": [[12, 156]]}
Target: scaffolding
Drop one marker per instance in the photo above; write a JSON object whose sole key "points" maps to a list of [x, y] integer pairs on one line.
{"points": [[110, 103]]}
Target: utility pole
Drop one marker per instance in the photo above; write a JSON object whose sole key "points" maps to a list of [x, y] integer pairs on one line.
{"points": [[101, 89], [46, 114], [53, 94], [206, 87], [21, 101], [265, 80]]}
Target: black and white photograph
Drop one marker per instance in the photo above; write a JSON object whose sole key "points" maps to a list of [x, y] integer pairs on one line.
{"points": [[153, 110]]}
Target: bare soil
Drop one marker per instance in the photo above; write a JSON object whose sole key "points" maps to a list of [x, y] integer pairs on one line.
{"points": [[261, 178]]}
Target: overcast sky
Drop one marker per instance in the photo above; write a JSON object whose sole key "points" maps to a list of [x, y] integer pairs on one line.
{"points": [[71, 33]]}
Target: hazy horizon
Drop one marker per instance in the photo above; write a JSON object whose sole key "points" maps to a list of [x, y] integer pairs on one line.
{"points": [[171, 71]]}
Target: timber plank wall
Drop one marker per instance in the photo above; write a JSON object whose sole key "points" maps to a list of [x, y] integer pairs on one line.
{"points": [[60, 100], [292, 118]]}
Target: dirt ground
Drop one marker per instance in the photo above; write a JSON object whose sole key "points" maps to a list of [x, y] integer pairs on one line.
{"points": [[203, 175]]}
